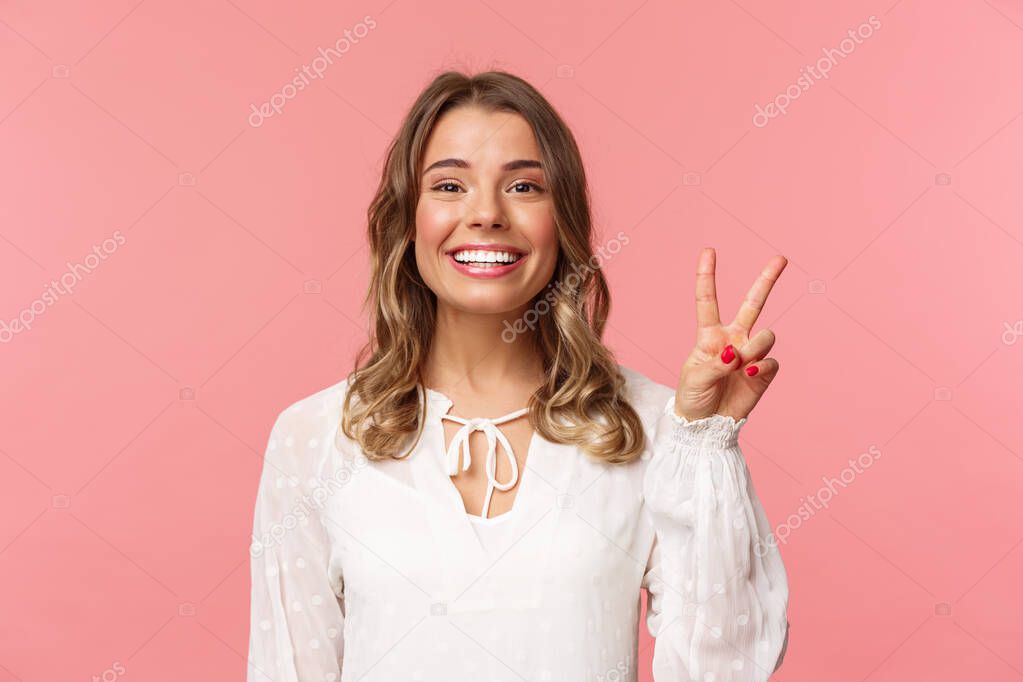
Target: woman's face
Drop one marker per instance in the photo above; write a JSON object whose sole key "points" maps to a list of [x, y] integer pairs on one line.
{"points": [[484, 200]]}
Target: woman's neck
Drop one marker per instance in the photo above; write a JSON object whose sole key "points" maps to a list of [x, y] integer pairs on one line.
{"points": [[472, 353]]}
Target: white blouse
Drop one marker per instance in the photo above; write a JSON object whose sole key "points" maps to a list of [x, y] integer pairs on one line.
{"points": [[375, 571], [493, 533]]}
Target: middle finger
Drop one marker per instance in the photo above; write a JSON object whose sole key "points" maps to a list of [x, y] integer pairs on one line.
{"points": [[751, 306]]}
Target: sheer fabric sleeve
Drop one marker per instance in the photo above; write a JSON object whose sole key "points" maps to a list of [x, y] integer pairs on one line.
{"points": [[716, 586], [297, 608]]}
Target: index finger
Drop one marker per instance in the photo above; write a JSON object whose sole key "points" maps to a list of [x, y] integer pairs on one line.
{"points": [[706, 290], [751, 306]]}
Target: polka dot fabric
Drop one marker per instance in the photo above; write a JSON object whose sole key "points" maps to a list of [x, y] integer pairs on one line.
{"points": [[297, 601], [373, 570]]}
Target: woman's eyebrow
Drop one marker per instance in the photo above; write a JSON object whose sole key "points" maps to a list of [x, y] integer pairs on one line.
{"points": [[462, 163]]}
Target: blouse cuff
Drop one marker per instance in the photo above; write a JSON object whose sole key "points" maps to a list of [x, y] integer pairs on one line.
{"points": [[717, 430]]}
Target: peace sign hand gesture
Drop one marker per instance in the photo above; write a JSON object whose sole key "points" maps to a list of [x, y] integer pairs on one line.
{"points": [[727, 372]]}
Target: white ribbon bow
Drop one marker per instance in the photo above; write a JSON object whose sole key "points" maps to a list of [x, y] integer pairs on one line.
{"points": [[494, 435]]}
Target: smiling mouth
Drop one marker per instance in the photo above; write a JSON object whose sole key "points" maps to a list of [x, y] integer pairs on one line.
{"points": [[486, 258], [490, 264]]}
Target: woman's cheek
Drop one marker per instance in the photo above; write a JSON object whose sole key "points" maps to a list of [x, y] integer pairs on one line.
{"points": [[545, 239], [428, 220], [433, 226]]}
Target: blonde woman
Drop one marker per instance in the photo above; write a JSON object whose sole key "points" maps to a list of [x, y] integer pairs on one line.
{"points": [[487, 493]]}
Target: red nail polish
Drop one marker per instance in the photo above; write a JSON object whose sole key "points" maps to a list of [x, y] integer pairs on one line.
{"points": [[752, 369], [728, 354]]}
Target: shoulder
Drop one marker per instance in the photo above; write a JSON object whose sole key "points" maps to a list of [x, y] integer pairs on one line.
{"points": [[316, 409], [647, 396], [310, 425]]}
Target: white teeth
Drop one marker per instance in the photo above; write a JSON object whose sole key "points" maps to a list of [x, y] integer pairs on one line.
{"points": [[486, 257]]}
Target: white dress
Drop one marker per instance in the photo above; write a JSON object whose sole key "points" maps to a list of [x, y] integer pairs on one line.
{"points": [[375, 571]]}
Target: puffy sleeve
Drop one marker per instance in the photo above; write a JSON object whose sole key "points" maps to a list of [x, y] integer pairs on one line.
{"points": [[297, 608], [716, 586]]}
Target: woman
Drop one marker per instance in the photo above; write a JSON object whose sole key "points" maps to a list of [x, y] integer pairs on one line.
{"points": [[393, 542]]}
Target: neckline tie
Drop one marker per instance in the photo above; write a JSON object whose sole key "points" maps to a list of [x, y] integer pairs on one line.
{"points": [[494, 435]]}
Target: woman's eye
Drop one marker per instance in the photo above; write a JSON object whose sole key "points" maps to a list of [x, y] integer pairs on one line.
{"points": [[445, 184], [535, 186]]}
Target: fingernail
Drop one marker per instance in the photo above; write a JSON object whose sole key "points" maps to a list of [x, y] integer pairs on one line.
{"points": [[752, 369], [728, 354]]}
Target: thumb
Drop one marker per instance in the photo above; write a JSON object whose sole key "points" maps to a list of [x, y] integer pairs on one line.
{"points": [[709, 373]]}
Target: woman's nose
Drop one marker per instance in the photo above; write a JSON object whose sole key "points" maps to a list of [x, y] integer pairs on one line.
{"points": [[486, 211]]}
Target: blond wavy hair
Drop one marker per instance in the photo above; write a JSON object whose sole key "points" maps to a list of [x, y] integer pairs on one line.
{"points": [[583, 399]]}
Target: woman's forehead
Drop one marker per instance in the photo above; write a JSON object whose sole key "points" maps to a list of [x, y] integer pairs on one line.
{"points": [[481, 138]]}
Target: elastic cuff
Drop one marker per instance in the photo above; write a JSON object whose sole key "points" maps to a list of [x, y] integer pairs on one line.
{"points": [[716, 430]]}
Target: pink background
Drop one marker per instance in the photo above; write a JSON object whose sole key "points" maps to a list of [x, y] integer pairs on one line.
{"points": [[892, 187]]}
